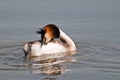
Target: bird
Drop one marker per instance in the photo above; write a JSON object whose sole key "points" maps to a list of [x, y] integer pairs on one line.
{"points": [[53, 40]]}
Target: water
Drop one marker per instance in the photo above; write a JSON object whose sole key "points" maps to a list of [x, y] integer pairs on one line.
{"points": [[94, 25]]}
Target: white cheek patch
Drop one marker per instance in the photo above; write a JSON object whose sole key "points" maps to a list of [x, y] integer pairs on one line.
{"points": [[47, 38]]}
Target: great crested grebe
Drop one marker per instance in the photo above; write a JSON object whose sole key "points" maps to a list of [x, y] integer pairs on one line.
{"points": [[53, 40]]}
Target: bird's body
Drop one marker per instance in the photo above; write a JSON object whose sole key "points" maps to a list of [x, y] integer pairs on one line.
{"points": [[53, 40]]}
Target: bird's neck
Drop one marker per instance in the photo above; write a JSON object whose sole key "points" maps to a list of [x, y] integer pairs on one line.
{"points": [[67, 40]]}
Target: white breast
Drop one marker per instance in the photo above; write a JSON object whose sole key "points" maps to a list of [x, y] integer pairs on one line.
{"points": [[50, 48]]}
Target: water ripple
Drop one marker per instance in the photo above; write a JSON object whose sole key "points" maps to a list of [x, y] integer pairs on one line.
{"points": [[103, 57], [100, 56]]}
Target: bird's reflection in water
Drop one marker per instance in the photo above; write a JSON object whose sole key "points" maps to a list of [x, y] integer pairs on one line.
{"points": [[53, 69], [49, 78], [50, 65]]}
